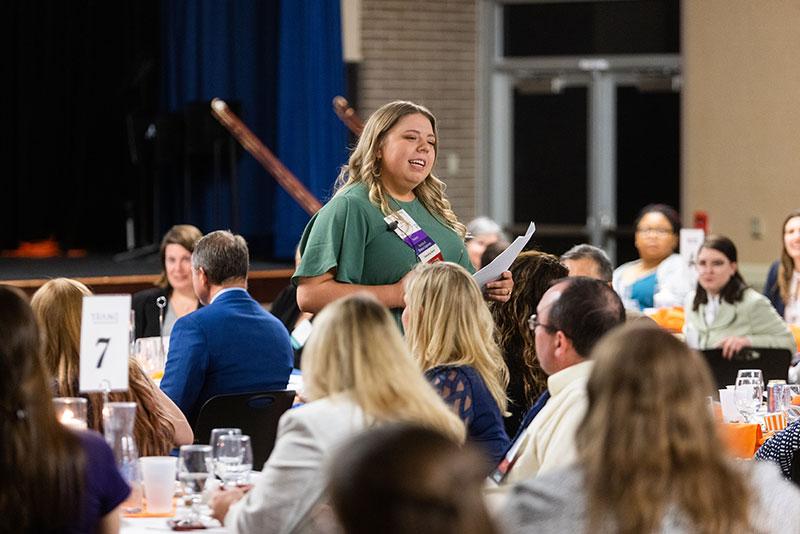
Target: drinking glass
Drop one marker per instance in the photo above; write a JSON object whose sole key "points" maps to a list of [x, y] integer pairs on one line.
{"points": [[217, 432], [747, 396], [751, 373], [790, 391], [196, 466], [234, 459]]}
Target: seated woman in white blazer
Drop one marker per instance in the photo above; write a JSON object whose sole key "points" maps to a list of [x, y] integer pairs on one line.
{"points": [[357, 373], [723, 312]]}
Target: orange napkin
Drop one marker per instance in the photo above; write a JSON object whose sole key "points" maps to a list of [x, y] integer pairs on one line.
{"points": [[742, 439], [144, 513], [670, 318], [796, 400]]}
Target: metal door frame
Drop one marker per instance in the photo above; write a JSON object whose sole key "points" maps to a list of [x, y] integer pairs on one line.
{"points": [[499, 76]]}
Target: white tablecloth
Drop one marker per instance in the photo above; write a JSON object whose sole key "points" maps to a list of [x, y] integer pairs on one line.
{"points": [[148, 525]]}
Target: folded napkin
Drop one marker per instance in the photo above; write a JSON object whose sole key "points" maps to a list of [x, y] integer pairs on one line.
{"points": [[742, 439], [669, 318]]}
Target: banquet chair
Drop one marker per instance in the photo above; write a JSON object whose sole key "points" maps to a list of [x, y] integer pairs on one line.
{"points": [[774, 364], [257, 414], [796, 467]]}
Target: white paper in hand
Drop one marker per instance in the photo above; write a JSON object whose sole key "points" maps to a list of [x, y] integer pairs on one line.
{"points": [[105, 342], [502, 262]]}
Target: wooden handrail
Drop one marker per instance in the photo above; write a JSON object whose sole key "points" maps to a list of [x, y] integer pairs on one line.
{"points": [[265, 157], [348, 115]]}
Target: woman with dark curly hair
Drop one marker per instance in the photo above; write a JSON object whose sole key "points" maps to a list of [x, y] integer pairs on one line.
{"points": [[532, 272]]}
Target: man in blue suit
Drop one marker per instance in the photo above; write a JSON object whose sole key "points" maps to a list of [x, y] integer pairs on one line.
{"points": [[231, 345]]}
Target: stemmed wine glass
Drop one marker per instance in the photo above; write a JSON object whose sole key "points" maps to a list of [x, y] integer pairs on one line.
{"points": [[195, 468], [233, 458]]}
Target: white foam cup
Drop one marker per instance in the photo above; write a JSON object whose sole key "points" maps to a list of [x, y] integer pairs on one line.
{"points": [[158, 479]]}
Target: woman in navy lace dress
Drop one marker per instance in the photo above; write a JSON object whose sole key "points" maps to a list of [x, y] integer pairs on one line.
{"points": [[451, 334]]}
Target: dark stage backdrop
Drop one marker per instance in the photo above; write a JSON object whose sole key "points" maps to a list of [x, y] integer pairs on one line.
{"points": [[106, 124], [72, 72]]}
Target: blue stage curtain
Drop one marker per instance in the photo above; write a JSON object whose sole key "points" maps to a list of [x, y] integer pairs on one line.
{"points": [[227, 50], [312, 142]]}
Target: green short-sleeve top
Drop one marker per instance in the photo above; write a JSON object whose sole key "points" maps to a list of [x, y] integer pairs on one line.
{"points": [[349, 234]]}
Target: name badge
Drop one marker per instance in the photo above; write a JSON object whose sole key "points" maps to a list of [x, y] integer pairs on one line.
{"points": [[415, 237]]}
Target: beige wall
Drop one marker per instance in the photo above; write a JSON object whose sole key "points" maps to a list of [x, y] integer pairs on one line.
{"points": [[741, 118], [426, 51]]}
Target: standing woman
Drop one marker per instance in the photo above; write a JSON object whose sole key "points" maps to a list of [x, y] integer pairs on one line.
{"points": [[174, 284], [660, 277], [451, 335], [723, 312], [533, 273], [783, 281], [650, 458], [53, 479], [389, 213], [159, 426], [357, 374]]}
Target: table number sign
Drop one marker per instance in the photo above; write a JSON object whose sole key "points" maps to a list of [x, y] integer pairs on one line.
{"points": [[690, 241], [105, 342]]}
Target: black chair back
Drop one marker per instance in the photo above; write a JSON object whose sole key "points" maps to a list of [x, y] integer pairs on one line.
{"points": [[257, 414], [774, 364]]}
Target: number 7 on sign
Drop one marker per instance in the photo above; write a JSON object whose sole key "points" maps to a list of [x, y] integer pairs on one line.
{"points": [[104, 341]]}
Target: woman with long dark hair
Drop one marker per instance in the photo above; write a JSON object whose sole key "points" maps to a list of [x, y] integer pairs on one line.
{"points": [[533, 273], [723, 312], [53, 479]]}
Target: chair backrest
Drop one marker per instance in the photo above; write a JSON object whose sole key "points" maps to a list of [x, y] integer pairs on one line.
{"points": [[796, 467], [774, 364], [257, 414]]}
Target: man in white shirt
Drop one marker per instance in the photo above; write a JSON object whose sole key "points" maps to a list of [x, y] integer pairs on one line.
{"points": [[570, 318]]}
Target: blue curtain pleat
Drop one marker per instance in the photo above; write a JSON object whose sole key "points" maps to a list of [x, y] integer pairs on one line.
{"points": [[311, 142], [282, 60], [227, 50]]}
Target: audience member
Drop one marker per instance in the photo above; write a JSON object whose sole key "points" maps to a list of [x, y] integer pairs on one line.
{"points": [[781, 448], [659, 277], [174, 285], [723, 312], [492, 251], [159, 426], [569, 320], [588, 260], [533, 273], [361, 240], [783, 281], [357, 373], [232, 345], [649, 455], [404, 479], [482, 232], [286, 310], [451, 335], [54, 479]]}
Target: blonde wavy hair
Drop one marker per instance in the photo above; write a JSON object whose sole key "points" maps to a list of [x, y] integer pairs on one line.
{"points": [[648, 441], [364, 166], [450, 324], [356, 348], [57, 306]]}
